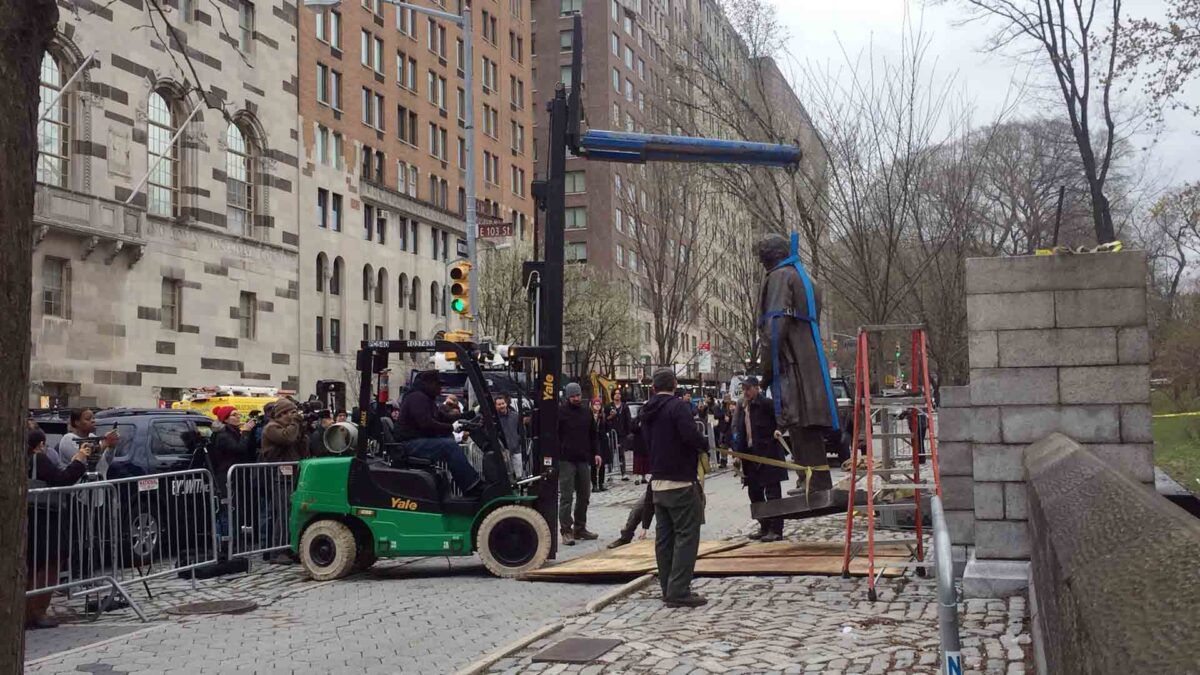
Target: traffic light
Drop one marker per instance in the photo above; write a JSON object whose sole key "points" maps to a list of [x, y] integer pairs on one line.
{"points": [[460, 287], [897, 351]]}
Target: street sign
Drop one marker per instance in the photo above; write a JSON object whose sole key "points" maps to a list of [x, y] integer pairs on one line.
{"points": [[704, 347], [495, 230], [705, 362], [461, 248]]}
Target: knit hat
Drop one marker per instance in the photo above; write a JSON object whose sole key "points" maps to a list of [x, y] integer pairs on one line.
{"points": [[222, 412], [572, 389]]}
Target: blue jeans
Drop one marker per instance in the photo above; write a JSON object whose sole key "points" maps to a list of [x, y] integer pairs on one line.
{"points": [[445, 450]]}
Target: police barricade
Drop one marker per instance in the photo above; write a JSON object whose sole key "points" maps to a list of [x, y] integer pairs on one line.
{"points": [[256, 507], [614, 448], [166, 522], [74, 541]]}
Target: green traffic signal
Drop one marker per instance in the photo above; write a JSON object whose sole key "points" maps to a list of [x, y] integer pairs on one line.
{"points": [[458, 305]]}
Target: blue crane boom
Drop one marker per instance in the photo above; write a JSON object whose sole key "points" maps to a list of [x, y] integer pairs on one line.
{"points": [[618, 146]]}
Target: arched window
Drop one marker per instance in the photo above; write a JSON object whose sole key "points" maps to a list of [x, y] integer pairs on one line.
{"points": [[443, 305], [335, 279], [54, 127], [380, 286], [402, 290], [239, 181], [163, 184], [434, 298], [414, 298], [368, 277], [322, 264]]}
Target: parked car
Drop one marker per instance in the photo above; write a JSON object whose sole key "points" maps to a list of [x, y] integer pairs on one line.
{"points": [[161, 515]]}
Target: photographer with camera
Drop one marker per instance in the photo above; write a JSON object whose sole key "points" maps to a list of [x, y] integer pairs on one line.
{"points": [[82, 426], [316, 439], [283, 438]]}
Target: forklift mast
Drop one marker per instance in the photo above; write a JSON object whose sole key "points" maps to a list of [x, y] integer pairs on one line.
{"points": [[545, 278]]}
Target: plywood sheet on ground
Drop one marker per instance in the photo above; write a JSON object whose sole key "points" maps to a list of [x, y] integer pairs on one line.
{"points": [[627, 561]]}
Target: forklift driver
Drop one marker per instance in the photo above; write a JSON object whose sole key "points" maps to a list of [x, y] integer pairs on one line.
{"points": [[424, 430]]}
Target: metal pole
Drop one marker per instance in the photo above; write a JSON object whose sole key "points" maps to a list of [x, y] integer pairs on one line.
{"points": [[71, 80], [137, 188], [947, 595], [469, 188]]}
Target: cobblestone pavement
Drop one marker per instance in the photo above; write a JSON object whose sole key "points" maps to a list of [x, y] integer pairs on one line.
{"points": [[793, 625], [427, 615]]}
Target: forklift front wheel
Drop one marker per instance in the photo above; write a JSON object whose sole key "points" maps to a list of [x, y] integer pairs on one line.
{"points": [[328, 550], [513, 540]]}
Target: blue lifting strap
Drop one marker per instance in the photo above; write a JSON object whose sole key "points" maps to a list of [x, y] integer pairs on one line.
{"points": [[814, 326]]}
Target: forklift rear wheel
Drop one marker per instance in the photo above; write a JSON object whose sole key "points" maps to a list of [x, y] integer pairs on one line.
{"points": [[513, 540], [328, 550]]}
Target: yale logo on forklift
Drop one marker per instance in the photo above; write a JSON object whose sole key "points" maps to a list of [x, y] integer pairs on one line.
{"points": [[403, 504], [548, 388]]}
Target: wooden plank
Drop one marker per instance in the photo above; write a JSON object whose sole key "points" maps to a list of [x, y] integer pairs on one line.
{"points": [[788, 566], [806, 548]]}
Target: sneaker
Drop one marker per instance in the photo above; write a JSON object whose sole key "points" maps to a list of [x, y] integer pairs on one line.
{"points": [[624, 479], [583, 533], [618, 543], [567, 539], [689, 600]]}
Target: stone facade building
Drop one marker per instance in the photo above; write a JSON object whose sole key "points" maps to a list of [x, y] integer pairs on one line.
{"points": [[142, 288], [383, 159]]}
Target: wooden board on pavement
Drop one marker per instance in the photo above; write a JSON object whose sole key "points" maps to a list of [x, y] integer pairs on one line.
{"points": [[631, 560]]}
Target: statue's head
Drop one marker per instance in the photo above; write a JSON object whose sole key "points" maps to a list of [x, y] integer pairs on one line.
{"points": [[772, 250]]}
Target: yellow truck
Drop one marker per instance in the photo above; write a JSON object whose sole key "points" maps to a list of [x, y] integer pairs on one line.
{"points": [[245, 399]]}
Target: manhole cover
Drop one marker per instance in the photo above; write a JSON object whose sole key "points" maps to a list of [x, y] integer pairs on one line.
{"points": [[215, 607], [576, 650]]}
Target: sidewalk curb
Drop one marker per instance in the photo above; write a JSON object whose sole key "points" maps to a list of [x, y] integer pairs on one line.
{"points": [[591, 607], [617, 593], [488, 660]]}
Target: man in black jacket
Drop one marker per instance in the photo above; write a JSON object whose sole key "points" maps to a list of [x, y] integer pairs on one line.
{"points": [[578, 453], [424, 430], [754, 433], [675, 447]]}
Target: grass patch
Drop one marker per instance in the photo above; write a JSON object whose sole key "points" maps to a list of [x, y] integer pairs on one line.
{"points": [[1177, 449]]}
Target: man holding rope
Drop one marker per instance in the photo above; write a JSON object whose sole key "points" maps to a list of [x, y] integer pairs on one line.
{"points": [[754, 434]]}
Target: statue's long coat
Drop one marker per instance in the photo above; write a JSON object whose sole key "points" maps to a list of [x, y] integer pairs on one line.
{"points": [[801, 384]]}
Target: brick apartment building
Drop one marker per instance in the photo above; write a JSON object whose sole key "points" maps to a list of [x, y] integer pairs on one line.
{"points": [[383, 159]]}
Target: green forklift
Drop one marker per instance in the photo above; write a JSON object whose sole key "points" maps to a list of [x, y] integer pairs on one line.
{"points": [[351, 509]]}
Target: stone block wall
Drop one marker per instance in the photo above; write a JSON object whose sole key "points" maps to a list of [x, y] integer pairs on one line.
{"points": [[1057, 344]]}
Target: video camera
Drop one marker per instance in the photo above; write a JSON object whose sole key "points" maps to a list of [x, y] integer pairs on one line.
{"points": [[311, 411]]}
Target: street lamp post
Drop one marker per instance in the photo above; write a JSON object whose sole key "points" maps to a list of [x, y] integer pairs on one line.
{"points": [[463, 21]]}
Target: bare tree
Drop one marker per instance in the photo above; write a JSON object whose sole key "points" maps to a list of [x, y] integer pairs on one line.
{"points": [[1167, 53], [24, 34], [1080, 42], [734, 319], [1172, 241], [674, 249], [503, 308], [597, 323]]}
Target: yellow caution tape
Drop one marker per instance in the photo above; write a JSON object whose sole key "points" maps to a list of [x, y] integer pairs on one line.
{"points": [[1110, 247], [1186, 414]]}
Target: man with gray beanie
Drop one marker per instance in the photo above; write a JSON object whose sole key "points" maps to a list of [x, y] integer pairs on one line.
{"points": [[578, 453]]}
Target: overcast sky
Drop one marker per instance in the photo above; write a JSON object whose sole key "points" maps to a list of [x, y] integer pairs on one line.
{"points": [[820, 30]]}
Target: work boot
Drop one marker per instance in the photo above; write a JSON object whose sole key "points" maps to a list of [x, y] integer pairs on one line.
{"points": [[771, 536], [619, 542], [567, 538], [689, 600], [584, 534]]}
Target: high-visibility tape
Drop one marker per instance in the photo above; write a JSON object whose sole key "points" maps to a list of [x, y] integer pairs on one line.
{"points": [[1195, 413]]}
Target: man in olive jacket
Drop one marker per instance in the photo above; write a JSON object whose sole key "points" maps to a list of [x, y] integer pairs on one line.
{"points": [[675, 447]]}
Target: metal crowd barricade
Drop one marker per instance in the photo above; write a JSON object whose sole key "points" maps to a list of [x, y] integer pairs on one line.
{"points": [[613, 448], [257, 506], [947, 595], [74, 540], [166, 522]]}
